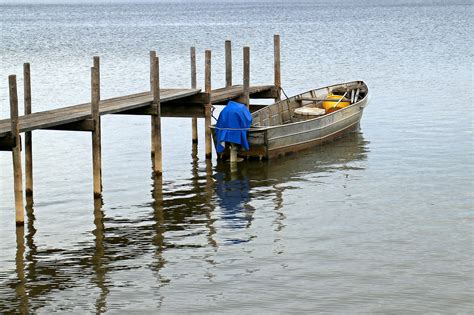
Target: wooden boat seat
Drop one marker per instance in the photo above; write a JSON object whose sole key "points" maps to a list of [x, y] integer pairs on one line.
{"points": [[309, 111]]}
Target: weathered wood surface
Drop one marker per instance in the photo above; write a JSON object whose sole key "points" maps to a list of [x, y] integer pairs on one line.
{"points": [[28, 135], [16, 154], [220, 96], [65, 115], [173, 104]]}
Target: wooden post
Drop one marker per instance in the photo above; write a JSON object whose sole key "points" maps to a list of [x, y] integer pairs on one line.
{"points": [[207, 87], [156, 118], [97, 66], [16, 153], [246, 95], [28, 136], [96, 137], [228, 63], [193, 86], [277, 70], [153, 129]]}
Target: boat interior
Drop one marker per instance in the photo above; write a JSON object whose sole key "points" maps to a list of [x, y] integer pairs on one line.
{"points": [[310, 105]]}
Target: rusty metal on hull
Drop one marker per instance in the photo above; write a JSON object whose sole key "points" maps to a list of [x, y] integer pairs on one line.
{"points": [[277, 130]]}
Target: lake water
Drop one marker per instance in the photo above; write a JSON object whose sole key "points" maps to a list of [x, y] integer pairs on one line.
{"points": [[379, 221]]}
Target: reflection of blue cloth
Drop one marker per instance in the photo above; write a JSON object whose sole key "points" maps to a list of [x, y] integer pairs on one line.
{"points": [[233, 194], [232, 125]]}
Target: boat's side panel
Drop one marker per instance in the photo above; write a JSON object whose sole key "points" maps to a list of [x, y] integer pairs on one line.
{"points": [[294, 137], [318, 137]]}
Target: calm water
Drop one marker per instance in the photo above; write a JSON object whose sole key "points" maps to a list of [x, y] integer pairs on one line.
{"points": [[380, 221]]}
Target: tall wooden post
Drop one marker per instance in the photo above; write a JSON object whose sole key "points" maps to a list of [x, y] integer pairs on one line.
{"points": [[246, 95], [28, 136], [193, 86], [277, 69], [156, 118], [228, 63], [153, 129], [96, 137], [207, 87], [16, 153]]}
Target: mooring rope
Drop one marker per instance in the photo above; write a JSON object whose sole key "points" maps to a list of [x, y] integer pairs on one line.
{"points": [[232, 129]]}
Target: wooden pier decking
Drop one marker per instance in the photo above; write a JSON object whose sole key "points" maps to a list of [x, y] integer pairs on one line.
{"points": [[174, 102]]}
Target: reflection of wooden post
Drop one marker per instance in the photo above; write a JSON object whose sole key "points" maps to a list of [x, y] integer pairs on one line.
{"points": [[96, 138], [156, 118], [193, 86], [228, 63], [246, 95], [21, 293], [16, 152], [28, 138], [207, 118], [153, 129], [276, 43]]}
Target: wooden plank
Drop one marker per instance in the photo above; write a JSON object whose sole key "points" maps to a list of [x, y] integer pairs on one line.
{"points": [[228, 63], [224, 94], [65, 115], [194, 126], [152, 121], [277, 65], [96, 137], [246, 91], [122, 104], [157, 162], [28, 136], [16, 153], [83, 125], [207, 119]]}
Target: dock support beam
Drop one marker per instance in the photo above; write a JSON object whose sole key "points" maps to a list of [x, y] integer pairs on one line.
{"points": [[193, 86], [207, 109], [96, 137], [277, 69], [228, 63], [16, 153], [246, 95], [156, 118], [28, 135]]}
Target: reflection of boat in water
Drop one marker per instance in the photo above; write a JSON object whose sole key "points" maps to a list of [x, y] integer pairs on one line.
{"points": [[236, 188], [342, 153], [301, 121]]}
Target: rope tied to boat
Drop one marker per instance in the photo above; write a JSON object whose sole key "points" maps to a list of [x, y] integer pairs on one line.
{"points": [[232, 129], [213, 108]]}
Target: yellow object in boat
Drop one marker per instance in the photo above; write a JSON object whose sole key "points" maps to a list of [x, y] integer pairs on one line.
{"points": [[329, 106]]}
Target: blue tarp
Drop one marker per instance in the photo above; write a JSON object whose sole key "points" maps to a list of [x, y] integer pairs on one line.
{"points": [[232, 125]]}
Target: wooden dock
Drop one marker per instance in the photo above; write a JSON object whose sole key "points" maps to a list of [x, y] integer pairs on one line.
{"points": [[177, 102]]}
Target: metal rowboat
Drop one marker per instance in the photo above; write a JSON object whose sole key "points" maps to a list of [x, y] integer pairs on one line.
{"points": [[277, 130]]}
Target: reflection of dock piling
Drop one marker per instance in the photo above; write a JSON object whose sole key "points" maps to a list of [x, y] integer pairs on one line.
{"points": [[157, 103]]}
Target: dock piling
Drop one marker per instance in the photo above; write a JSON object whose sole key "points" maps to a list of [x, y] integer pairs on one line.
{"points": [[277, 66], [156, 118], [246, 95], [153, 129], [193, 86], [16, 153], [28, 134], [96, 133], [208, 105], [228, 63]]}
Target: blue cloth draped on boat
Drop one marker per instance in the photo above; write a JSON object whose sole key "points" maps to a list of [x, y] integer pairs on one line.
{"points": [[232, 125]]}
